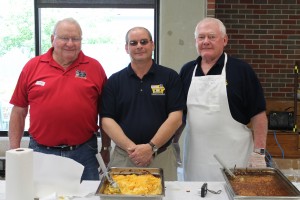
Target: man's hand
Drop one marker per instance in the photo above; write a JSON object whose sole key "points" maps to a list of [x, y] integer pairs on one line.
{"points": [[257, 160], [141, 155]]}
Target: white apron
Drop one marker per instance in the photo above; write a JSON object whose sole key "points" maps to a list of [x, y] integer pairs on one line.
{"points": [[212, 130]]}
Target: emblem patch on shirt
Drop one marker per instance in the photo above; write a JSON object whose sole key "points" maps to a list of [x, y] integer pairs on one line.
{"points": [[80, 74], [158, 89], [41, 83]]}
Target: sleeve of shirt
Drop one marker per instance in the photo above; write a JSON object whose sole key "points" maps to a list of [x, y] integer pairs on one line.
{"points": [[245, 94], [175, 94], [20, 95], [256, 99], [108, 100]]}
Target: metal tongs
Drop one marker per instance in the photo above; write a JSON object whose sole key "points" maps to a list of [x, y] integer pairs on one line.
{"points": [[225, 167], [111, 181]]}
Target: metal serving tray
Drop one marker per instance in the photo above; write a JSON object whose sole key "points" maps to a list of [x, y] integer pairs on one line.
{"points": [[124, 171], [293, 192]]}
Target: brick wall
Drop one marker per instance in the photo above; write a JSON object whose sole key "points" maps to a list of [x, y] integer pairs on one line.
{"points": [[266, 34]]}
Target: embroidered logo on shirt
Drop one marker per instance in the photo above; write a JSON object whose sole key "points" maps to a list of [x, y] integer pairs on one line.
{"points": [[41, 83], [158, 89], [80, 74]]}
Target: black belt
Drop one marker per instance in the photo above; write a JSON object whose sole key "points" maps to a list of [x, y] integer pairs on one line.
{"points": [[63, 147], [60, 147]]}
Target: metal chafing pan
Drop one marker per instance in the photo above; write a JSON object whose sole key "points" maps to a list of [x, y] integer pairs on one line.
{"points": [[281, 181], [124, 171]]}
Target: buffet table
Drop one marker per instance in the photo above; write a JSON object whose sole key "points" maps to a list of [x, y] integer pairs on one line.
{"points": [[175, 190]]}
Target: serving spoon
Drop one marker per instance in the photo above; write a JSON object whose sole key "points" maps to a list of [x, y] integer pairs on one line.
{"points": [[111, 181], [225, 167]]}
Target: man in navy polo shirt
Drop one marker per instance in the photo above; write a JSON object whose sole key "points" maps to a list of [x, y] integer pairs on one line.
{"points": [[142, 108]]}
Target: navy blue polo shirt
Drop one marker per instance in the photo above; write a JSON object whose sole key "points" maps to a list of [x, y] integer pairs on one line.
{"points": [[140, 106], [244, 91]]}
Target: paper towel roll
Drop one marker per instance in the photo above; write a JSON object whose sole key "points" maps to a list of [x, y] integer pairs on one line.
{"points": [[19, 174]]}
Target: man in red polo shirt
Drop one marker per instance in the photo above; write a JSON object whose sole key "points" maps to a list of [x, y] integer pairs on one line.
{"points": [[62, 90]]}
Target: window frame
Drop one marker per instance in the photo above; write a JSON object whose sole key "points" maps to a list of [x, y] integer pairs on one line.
{"points": [[38, 4]]}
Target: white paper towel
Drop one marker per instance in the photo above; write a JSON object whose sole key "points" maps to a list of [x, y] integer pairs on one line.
{"points": [[55, 174], [19, 174]]}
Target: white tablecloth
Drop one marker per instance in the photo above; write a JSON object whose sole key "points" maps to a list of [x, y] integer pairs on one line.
{"points": [[190, 191], [175, 190]]}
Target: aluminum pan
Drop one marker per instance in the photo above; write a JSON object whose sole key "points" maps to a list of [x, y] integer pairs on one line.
{"points": [[127, 170], [292, 189]]}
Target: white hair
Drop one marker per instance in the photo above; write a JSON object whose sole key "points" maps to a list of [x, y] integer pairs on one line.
{"points": [[70, 20], [222, 27]]}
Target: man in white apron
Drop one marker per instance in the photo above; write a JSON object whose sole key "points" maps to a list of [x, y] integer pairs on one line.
{"points": [[219, 104]]}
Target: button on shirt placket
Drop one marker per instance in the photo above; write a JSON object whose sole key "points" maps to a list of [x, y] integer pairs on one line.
{"points": [[141, 86]]}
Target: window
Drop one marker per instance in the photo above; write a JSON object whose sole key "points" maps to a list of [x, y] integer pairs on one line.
{"points": [[103, 30], [26, 27], [16, 48]]}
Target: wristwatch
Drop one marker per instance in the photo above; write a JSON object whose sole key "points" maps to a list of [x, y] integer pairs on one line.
{"points": [[106, 148], [260, 151], [154, 148]]}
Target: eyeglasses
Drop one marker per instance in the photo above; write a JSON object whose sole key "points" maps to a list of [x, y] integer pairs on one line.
{"points": [[67, 39], [210, 37], [143, 42]]}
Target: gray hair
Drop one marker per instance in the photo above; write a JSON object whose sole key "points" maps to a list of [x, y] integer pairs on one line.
{"points": [[137, 28], [222, 27], [69, 20]]}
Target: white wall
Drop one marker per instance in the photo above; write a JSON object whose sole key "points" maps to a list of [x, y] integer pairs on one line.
{"points": [[178, 19]]}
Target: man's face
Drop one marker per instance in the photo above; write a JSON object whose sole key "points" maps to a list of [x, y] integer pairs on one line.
{"points": [[210, 42], [66, 43], [139, 46]]}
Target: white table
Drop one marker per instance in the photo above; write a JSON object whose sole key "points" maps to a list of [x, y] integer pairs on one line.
{"points": [[179, 190], [175, 190]]}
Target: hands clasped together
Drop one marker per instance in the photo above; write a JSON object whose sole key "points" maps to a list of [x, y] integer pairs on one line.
{"points": [[140, 155]]}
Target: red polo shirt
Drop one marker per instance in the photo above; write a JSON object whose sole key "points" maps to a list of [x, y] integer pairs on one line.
{"points": [[63, 104]]}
